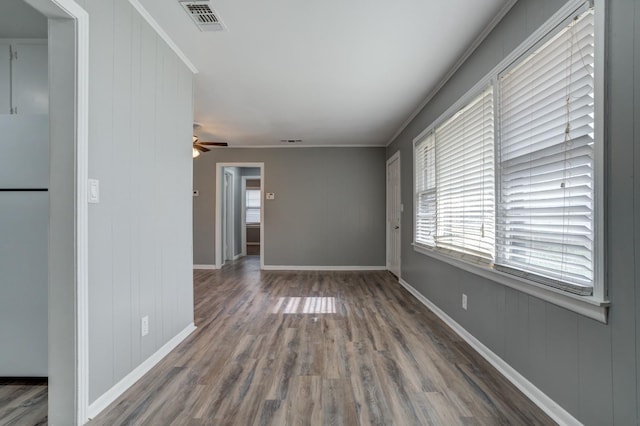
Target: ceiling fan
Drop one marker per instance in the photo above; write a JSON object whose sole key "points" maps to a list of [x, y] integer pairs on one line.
{"points": [[199, 147]]}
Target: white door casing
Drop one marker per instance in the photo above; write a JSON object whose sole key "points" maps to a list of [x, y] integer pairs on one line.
{"points": [[219, 254], [394, 211]]}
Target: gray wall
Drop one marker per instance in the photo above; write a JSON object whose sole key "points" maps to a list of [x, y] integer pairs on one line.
{"points": [[62, 266], [19, 20], [329, 208], [140, 242], [589, 368]]}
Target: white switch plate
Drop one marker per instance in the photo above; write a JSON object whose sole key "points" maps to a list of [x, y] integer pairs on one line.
{"points": [[271, 195], [94, 191], [144, 326], [464, 301]]}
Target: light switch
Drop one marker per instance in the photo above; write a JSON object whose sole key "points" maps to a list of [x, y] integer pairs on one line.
{"points": [[271, 196], [94, 191], [196, 193]]}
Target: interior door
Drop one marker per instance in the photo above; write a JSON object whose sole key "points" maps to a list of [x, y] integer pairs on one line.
{"points": [[393, 214]]}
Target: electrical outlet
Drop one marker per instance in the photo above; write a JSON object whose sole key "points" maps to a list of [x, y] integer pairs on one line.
{"points": [[144, 326], [464, 301]]}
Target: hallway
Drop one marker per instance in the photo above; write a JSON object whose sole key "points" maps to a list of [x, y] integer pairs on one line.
{"points": [[317, 348]]}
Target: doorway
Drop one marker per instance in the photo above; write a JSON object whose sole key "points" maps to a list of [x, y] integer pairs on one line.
{"points": [[233, 233], [394, 213], [250, 213], [68, 62]]}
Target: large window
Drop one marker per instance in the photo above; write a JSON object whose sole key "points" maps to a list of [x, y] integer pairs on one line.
{"points": [[456, 199], [508, 177]]}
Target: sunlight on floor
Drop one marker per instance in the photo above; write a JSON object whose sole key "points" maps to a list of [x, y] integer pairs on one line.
{"points": [[305, 305]]}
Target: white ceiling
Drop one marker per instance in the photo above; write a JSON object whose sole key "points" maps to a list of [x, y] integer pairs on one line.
{"points": [[329, 72]]}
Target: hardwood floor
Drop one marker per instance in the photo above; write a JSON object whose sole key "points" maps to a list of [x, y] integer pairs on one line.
{"points": [[23, 402], [318, 348], [307, 348]]}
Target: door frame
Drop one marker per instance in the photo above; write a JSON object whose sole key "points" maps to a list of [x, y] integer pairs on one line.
{"points": [[218, 210], [391, 159], [68, 280]]}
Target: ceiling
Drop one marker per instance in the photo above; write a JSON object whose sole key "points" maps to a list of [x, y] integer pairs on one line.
{"points": [[19, 20], [332, 73]]}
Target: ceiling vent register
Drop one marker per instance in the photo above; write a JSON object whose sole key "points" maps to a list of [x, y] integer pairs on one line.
{"points": [[203, 15]]}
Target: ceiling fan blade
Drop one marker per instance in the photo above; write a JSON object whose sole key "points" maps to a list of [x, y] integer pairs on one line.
{"points": [[213, 143], [200, 148]]}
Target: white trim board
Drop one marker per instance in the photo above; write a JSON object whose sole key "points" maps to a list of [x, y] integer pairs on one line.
{"points": [[163, 35], [205, 267], [548, 405], [322, 268], [119, 388]]}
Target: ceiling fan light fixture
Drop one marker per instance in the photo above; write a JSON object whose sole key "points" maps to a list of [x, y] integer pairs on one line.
{"points": [[196, 153]]}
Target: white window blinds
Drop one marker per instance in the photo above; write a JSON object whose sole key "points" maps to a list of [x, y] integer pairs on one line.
{"points": [[252, 203], [546, 162], [425, 158], [465, 179]]}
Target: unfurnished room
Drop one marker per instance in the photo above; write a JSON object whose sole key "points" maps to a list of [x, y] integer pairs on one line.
{"points": [[218, 212]]}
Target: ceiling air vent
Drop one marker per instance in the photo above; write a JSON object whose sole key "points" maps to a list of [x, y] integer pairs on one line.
{"points": [[203, 15], [291, 140]]}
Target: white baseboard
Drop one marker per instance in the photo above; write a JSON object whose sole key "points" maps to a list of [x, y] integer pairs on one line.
{"points": [[119, 388], [322, 268], [205, 267], [237, 256], [548, 405]]}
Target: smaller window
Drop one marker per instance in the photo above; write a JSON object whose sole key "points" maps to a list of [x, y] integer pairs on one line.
{"points": [[252, 213]]}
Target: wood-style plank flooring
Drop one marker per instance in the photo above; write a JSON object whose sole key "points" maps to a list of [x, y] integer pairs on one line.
{"points": [[318, 348], [23, 403], [308, 348]]}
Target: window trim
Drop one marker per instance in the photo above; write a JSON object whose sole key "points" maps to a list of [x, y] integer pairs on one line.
{"points": [[595, 306]]}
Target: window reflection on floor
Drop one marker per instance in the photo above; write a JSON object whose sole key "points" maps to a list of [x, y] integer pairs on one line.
{"points": [[305, 305]]}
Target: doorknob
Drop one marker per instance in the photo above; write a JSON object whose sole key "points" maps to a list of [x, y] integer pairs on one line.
{"points": [[396, 227]]}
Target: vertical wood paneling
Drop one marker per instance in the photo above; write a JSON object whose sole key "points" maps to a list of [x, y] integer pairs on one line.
{"points": [[517, 331], [101, 166], [184, 250], [620, 219], [136, 184], [562, 356], [122, 79], [594, 365], [636, 139], [140, 252], [147, 218]]}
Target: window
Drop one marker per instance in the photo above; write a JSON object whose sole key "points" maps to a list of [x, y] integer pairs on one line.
{"points": [[252, 206], [545, 230], [508, 177], [455, 207]]}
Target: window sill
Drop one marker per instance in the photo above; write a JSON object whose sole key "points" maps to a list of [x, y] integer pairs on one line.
{"points": [[588, 306]]}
